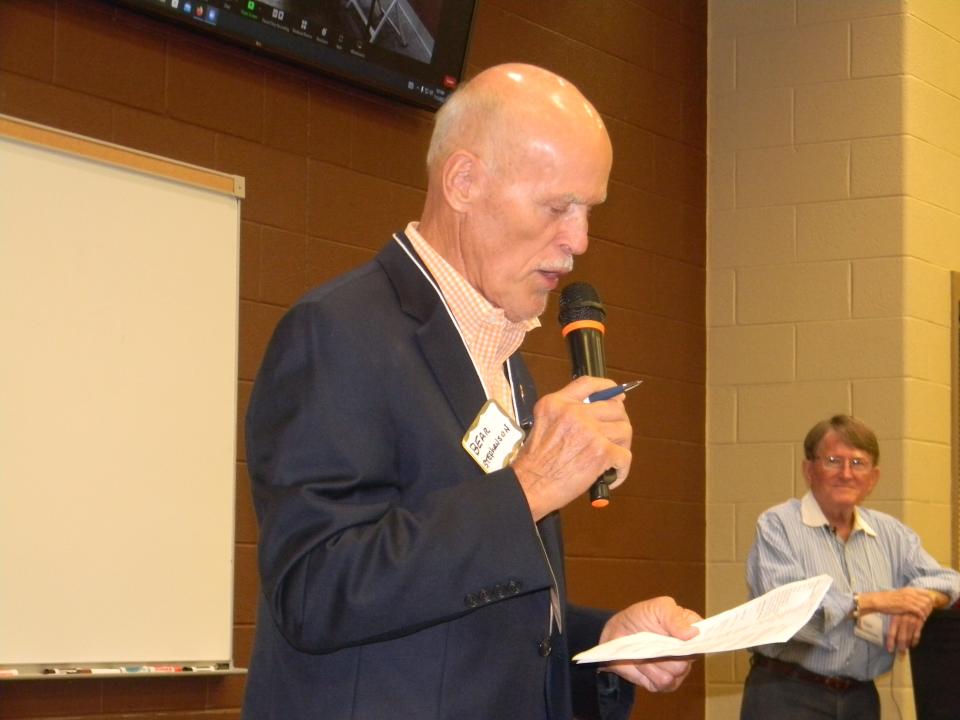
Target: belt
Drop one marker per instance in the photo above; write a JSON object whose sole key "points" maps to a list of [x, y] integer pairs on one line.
{"points": [[789, 669]]}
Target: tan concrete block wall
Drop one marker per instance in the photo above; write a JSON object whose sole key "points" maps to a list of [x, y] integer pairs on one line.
{"points": [[833, 226], [928, 352], [791, 175], [938, 14], [754, 236], [721, 297], [932, 114], [926, 462], [849, 109], [818, 11], [904, 407], [722, 404], [887, 287], [721, 538], [878, 166], [793, 292], [734, 20], [782, 412], [935, 523], [727, 579], [877, 45], [722, 175], [933, 53], [849, 348], [931, 233], [793, 56], [764, 473], [931, 174], [753, 118], [871, 227], [721, 668], [770, 346]]}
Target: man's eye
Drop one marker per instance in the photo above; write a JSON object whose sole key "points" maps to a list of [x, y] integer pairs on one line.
{"points": [[559, 209]]}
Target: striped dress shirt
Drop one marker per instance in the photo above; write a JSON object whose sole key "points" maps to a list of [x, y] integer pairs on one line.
{"points": [[794, 541]]}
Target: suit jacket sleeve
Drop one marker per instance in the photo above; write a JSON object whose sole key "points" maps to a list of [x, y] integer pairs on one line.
{"points": [[596, 695]]}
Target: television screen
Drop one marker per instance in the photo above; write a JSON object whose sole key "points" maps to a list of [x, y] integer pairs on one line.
{"points": [[413, 50]]}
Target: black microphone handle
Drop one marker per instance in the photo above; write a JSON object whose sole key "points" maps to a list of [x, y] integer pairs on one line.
{"points": [[586, 352]]}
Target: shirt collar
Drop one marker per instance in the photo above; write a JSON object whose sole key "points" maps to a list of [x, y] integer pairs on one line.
{"points": [[813, 516], [473, 312]]}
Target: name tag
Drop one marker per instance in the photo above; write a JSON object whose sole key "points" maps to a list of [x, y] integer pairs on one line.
{"points": [[494, 438]]}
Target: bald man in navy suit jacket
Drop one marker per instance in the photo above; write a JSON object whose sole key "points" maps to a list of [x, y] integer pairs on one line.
{"points": [[400, 580]]}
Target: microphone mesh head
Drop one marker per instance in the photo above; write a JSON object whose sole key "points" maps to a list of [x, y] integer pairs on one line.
{"points": [[579, 301]]}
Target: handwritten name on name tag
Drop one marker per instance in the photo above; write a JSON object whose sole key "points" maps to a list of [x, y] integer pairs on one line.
{"points": [[493, 439]]}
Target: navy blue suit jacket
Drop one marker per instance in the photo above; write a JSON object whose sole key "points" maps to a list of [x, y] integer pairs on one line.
{"points": [[397, 579]]}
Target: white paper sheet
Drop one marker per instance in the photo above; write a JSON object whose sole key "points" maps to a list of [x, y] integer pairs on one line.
{"points": [[771, 618]]}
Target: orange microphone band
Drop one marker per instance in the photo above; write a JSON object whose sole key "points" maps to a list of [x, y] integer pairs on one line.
{"points": [[580, 324]]}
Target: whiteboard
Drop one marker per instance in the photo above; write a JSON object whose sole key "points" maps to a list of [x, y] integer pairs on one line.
{"points": [[118, 381]]}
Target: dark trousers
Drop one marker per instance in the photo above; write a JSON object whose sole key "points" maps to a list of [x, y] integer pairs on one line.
{"points": [[768, 695]]}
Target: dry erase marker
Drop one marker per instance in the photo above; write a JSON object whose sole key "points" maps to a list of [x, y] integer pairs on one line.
{"points": [[199, 668], [612, 392], [104, 671], [9, 672]]}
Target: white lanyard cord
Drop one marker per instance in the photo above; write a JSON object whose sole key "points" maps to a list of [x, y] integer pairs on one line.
{"points": [[429, 278]]}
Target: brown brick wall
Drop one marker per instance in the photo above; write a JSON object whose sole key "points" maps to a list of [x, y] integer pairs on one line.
{"points": [[323, 196]]}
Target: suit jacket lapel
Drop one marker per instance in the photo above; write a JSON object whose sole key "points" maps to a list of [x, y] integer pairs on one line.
{"points": [[445, 353], [441, 344]]}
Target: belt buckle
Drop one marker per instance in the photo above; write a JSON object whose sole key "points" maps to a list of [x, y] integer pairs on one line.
{"points": [[837, 683]]}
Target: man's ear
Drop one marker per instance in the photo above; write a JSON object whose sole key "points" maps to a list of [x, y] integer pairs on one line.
{"points": [[874, 478], [462, 177]]}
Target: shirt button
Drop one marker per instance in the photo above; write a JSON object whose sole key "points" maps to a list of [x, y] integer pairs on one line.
{"points": [[545, 647]]}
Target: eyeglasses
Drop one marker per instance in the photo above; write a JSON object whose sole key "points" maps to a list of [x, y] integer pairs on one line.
{"points": [[858, 465]]}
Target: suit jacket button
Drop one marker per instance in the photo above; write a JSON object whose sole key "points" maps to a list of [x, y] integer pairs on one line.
{"points": [[513, 587], [471, 600], [485, 596], [545, 647]]}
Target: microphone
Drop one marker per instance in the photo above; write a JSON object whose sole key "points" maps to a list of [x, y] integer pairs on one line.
{"points": [[581, 323]]}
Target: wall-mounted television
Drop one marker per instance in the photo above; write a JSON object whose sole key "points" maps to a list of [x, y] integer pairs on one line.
{"points": [[412, 50]]}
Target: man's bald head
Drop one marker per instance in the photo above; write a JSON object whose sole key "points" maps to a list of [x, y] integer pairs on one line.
{"points": [[503, 109], [518, 158]]}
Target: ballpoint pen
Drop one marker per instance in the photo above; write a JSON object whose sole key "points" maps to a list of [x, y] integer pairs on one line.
{"points": [[612, 392]]}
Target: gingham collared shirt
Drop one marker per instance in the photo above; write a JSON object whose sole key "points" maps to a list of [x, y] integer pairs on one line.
{"points": [[490, 337]]}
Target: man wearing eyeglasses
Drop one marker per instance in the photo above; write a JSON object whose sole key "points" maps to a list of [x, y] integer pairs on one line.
{"points": [[885, 585]]}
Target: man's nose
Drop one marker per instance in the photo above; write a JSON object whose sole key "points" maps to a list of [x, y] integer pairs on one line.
{"points": [[576, 237]]}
